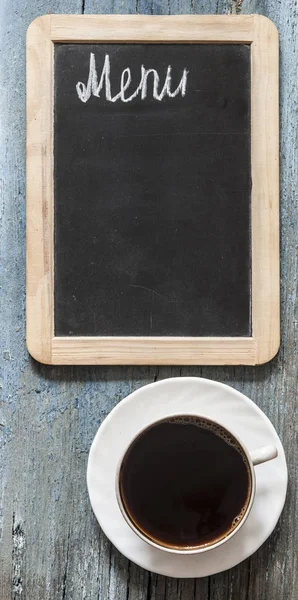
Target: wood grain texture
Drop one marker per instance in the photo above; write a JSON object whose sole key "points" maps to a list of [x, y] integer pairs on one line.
{"points": [[141, 28], [264, 343], [50, 545], [39, 188], [152, 351], [265, 188]]}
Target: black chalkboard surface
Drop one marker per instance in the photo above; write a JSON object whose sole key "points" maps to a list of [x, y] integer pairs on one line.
{"points": [[152, 190]]}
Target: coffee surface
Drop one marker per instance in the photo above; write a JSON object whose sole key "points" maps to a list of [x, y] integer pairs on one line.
{"points": [[185, 482]]}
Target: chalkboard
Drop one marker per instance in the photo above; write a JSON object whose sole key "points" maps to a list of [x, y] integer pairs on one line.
{"points": [[152, 190], [153, 196]]}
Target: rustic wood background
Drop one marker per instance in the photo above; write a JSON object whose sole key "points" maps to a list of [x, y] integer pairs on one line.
{"points": [[51, 547]]}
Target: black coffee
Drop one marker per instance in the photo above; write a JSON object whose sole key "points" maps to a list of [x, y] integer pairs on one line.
{"points": [[185, 482]]}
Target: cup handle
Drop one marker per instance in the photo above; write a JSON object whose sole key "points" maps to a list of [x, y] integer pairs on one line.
{"points": [[263, 454]]}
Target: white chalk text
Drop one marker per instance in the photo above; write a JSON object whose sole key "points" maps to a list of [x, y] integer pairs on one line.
{"points": [[94, 87]]}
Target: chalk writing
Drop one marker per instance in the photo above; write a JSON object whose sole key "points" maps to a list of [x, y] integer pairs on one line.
{"points": [[94, 87]]}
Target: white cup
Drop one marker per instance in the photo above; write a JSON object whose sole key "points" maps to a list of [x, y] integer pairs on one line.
{"points": [[254, 458]]}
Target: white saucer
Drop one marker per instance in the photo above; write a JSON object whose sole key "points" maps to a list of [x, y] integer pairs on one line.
{"points": [[189, 395]]}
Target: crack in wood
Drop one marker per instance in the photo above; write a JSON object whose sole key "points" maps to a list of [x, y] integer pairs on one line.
{"points": [[209, 589], [18, 549], [128, 580], [235, 7], [66, 569], [149, 587], [110, 568], [248, 579], [195, 589]]}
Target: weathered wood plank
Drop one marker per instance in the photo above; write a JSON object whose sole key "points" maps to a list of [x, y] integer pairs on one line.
{"points": [[51, 547]]}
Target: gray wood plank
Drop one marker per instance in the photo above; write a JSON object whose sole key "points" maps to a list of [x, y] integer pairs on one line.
{"points": [[50, 544], [158, 7]]}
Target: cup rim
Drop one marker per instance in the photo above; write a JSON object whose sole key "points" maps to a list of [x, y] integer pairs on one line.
{"points": [[194, 549]]}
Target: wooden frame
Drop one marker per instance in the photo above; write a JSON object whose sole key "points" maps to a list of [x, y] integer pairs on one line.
{"points": [[250, 29]]}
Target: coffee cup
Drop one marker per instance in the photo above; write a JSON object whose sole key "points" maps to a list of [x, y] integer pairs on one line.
{"points": [[186, 484]]}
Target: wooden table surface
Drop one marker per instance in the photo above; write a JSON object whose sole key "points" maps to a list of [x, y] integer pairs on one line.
{"points": [[50, 544]]}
